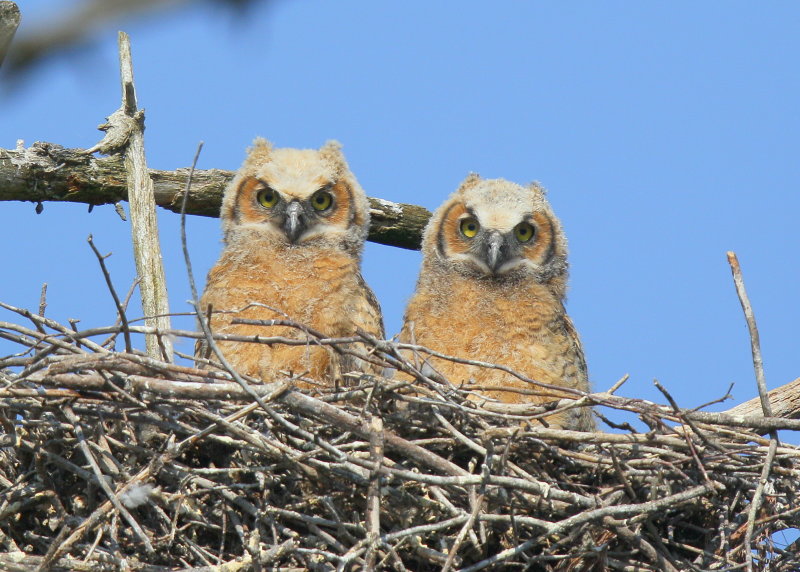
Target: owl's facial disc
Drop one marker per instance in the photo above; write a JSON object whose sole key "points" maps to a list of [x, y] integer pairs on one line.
{"points": [[493, 251], [295, 215], [488, 250]]}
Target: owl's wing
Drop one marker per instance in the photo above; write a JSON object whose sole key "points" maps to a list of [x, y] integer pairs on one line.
{"points": [[368, 317], [373, 317], [572, 333], [580, 419]]}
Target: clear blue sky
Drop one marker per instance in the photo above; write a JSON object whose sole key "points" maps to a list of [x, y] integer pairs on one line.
{"points": [[666, 133]]}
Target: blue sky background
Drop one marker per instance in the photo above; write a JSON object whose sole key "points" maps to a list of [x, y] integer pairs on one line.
{"points": [[666, 134]]}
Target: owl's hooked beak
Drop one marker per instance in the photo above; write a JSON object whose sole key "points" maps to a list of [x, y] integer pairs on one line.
{"points": [[497, 252], [294, 222]]}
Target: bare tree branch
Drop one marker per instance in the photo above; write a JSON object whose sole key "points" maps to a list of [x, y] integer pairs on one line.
{"points": [[72, 28], [758, 366], [126, 129], [784, 401], [9, 21], [48, 172]]}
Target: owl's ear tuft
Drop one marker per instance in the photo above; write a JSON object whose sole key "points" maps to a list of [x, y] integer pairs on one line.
{"points": [[331, 146], [537, 187], [260, 144], [471, 180], [259, 153], [332, 154]]}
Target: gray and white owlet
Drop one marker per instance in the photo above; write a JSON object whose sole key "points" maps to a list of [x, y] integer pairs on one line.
{"points": [[294, 223], [491, 288]]}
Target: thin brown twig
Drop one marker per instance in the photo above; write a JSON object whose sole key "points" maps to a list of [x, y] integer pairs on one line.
{"points": [[120, 310]]}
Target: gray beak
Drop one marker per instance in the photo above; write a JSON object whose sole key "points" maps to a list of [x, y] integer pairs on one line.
{"points": [[495, 255], [294, 224]]}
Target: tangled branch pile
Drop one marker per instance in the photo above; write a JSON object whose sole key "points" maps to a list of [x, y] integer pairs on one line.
{"points": [[113, 460]]}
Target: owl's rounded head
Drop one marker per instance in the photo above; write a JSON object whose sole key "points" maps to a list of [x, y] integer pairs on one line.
{"points": [[496, 230], [296, 198]]}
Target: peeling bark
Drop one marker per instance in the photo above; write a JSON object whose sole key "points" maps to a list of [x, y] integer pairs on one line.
{"points": [[49, 172]]}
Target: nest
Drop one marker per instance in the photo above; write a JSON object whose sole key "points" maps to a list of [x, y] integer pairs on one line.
{"points": [[115, 460]]}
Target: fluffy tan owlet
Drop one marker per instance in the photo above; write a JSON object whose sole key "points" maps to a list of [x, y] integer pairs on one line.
{"points": [[294, 223], [491, 288]]}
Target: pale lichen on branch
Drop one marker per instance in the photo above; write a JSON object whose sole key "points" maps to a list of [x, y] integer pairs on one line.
{"points": [[48, 172]]}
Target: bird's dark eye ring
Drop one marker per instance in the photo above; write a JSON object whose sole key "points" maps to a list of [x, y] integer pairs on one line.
{"points": [[469, 227], [267, 197]]}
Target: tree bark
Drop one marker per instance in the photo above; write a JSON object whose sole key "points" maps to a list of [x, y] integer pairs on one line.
{"points": [[144, 222], [49, 172], [9, 21], [784, 401]]}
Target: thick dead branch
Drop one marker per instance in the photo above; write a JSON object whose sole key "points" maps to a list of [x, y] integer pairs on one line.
{"points": [[48, 172], [75, 27], [125, 132], [784, 401], [9, 21]]}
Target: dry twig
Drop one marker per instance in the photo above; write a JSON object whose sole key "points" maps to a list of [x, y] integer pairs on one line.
{"points": [[209, 480], [758, 366]]}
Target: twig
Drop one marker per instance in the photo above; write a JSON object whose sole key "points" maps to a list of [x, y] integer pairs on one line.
{"points": [[598, 513], [101, 479], [373, 519], [186, 258], [637, 541], [686, 435], [758, 365], [43, 300], [755, 345], [120, 310], [312, 476], [459, 539], [618, 384]]}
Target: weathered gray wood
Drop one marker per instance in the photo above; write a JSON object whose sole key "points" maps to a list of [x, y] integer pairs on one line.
{"points": [[125, 132], [9, 22], [784, 402], [144, 223], [49, 172]]}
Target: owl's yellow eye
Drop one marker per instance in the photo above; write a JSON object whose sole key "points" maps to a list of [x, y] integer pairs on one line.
{"points": [[524, 232], [267, 197], [322, 201], [469, 227]]}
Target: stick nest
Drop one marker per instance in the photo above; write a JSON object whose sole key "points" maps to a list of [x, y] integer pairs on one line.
{"points": [[112, 460]]}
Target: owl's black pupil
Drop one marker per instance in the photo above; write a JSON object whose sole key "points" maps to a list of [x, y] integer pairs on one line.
{"points": [[320, 200], [471, 226]]}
